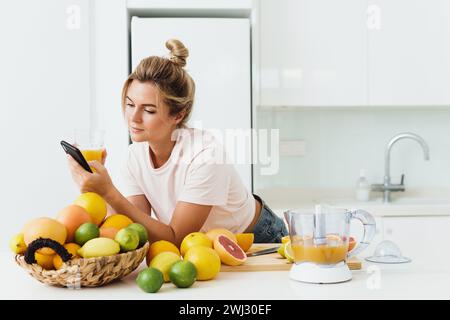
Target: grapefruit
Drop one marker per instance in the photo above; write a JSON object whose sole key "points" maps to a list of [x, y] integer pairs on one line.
{"points": [[72, 217], [229, 251], [44, 228], [205, 260], [195, 239], [213, 233]]}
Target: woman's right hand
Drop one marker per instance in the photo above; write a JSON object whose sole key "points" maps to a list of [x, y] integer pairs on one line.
{"points": [[85, 180]]}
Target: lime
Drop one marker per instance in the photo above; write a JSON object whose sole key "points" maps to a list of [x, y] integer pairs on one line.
{"points": [[183, 274], [86, 232], [150, 280], [163, 262], [128, 239], [142, 232]]}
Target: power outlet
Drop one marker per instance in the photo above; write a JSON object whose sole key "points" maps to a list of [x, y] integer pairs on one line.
{"points": [[292, 148]]}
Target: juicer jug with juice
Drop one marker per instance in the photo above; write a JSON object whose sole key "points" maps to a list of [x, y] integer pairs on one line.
{"points": [[319, 241]]}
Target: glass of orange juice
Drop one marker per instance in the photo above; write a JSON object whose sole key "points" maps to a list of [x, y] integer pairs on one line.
{"points": [[91, 144]]}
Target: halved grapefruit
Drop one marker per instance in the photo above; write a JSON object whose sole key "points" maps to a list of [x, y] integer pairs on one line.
{"points": [[229, 251], [213, 233]]}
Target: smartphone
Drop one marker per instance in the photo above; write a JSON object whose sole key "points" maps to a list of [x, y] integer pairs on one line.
{"points": [[76, 154]]}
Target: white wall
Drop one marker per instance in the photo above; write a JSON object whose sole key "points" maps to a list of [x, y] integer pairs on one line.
{"points": [[44, 94], [63, 63], [341, 141]]}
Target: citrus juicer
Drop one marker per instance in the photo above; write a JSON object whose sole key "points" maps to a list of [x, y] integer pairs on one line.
{"points": [[319, 242]]}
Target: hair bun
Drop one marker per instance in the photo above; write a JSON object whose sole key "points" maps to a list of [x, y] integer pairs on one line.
{"points": [[178, 52]]}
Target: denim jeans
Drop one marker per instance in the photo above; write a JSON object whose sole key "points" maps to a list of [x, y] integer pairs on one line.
{"points": [[269, 228]]}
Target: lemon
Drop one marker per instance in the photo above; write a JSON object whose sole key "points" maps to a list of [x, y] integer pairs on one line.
{"points": [[118, 221], [163, 262], [94, 205], [288, 253], [99, 247], [205, 260], [281, 250], [285, 239], [195, 239], [17, 244], [161, 246]]}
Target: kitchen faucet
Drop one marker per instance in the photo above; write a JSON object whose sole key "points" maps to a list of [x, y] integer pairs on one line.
{"points": [[387, 187]]}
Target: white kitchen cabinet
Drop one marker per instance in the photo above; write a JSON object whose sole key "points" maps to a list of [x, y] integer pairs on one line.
{"points": [[219, 63], [409, 52], [313, 53], [354, 53]]}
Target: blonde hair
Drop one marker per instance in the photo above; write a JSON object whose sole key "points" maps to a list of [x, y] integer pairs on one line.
{"points": [[175, 85]]}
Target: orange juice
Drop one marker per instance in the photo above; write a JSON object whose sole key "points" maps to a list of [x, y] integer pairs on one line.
{"points": [[320, 254], [92, 154]]}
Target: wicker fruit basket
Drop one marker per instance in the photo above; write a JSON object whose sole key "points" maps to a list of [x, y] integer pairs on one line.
{"points": [[91, 272]]}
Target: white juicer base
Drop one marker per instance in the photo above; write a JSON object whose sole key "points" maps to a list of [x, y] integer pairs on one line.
{"points": [[314, 273]]}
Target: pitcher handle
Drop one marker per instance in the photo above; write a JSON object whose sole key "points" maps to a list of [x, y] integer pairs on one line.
{"points": [[369, 230]]}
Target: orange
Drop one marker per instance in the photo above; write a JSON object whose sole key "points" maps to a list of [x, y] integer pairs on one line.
{"points": [[94, 204], [213, 233], [118, 221], [205, 260], [44, 260], [245, 240], [72, 248], [195, 239], [160, 246]]}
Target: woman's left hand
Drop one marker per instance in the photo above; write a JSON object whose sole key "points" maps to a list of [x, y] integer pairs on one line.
{"points": [[99, 182]]}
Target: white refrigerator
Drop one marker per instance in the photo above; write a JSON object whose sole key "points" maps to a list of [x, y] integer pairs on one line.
{"points": [[219, 62]]}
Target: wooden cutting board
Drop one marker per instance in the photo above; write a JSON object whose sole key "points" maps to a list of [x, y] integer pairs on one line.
{"points": [[273, 261]]}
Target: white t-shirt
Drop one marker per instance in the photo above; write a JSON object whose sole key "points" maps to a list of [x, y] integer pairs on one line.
{"points": [[196, 172]]}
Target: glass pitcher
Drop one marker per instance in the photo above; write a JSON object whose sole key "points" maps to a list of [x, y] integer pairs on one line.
{"points": [[320, 239]]}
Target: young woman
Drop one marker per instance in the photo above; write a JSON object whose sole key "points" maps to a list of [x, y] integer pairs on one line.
{"points": [[173, 170]]}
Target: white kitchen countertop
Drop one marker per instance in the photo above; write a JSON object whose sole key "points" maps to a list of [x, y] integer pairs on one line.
{"points": [[422, 279]]}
